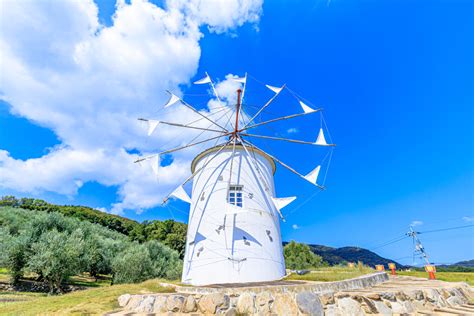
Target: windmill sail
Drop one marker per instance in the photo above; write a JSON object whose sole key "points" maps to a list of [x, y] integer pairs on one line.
{"points": [[274, 89], [181, 194], [155, 163], [321, 140], [152, 124], [282, 202], [313, 175], [172, 100], [241, 80], [204, 80], [306, 108]]}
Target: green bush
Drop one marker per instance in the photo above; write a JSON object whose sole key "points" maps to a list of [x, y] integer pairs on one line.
{"points": [[57, 256], [55, 247], [299, 256]]}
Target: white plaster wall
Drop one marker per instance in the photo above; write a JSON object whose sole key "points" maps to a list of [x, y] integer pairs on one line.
{"points": [[216, 255]]}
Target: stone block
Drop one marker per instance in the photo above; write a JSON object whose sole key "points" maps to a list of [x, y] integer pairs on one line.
{"points": [[209, 303], [284, 305], [123, 299], [190, 304], [348, 306], [174, 303], [246, 304], [309, 304]]}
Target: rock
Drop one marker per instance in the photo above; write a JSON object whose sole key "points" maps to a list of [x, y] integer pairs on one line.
{"points": [[189, 304], [368, 306], [389, 296], [123, 299], [246, 304], [160, 304], [284, 305], [404, 307], [415, 295], [382, 308], [460, 294], [146, 305], [332, 310], [309, 303], [373, 296], [327, 298], [174, 303], [231, 312], [431, 295], [210, 303], [348, 306], [263, 302], [133, 302], [341, 295], [264, 298], [454, 301], [401, 296]]}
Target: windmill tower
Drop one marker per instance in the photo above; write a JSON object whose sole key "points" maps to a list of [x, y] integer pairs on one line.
{"points": [[234, 217]]}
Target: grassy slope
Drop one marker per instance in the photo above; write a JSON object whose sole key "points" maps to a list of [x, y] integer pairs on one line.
{"points": [[467, 277], [328, 274], [94, 301]]}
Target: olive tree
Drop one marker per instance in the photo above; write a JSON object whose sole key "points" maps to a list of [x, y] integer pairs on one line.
{"points": [[300, 256]]}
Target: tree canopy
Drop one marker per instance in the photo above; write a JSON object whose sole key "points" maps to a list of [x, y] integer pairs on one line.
{"points": [[299, 256]]}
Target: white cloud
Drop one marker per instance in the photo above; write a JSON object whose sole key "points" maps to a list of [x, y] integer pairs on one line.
{"points": [[468, 219], [295, 226], [63, 70], [292, 130], [416, 223]]}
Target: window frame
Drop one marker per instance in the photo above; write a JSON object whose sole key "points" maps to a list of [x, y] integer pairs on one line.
{"points": [[235, 195]]}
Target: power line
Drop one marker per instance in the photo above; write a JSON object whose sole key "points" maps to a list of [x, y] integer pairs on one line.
{"points": [[444, 229], [390, 242]]}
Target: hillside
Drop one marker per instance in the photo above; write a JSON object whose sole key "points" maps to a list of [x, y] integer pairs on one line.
{"points": [[173, 233], [350, 254], [466, 264], [169, 232]]}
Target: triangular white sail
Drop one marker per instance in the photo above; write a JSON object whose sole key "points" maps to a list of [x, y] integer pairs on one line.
{"points": [[241, 80], [152, 124], [282, 202], [181, 194], [155, 163], [321, 140], [204, 80], [306, 108], [274, 89], [313, 175], [172, 100]]}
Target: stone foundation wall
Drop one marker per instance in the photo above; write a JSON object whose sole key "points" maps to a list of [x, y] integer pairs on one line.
{"points": [[290, 300]]}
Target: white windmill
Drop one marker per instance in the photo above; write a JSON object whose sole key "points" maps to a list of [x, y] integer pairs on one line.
{"points": [[234, 218]]}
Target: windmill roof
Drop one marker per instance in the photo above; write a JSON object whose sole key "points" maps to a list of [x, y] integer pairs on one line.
{"points": [[237, 146]]}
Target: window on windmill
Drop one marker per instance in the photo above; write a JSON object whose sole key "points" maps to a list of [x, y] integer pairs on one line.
{"points": [[235, 195], [203, 197]]}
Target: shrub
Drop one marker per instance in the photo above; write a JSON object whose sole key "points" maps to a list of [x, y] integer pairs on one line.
{"points": [[132, 265], [299, 256], [57, 256]]}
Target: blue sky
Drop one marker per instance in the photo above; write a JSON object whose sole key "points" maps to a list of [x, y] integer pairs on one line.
{"points": [[396, 81]]}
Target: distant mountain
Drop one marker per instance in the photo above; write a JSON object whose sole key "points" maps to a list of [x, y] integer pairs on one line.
{"points": [[350, 254], [466, 263]]}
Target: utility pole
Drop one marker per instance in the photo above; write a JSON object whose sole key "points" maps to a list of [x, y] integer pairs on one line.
{"points": [[420, 251]]}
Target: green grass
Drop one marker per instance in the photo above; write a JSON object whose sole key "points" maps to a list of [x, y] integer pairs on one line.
{"points": [[4, 276], [94, 301], [328, 274], [467, 277]]}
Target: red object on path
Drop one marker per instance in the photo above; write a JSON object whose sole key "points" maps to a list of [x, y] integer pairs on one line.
{"points": [[392, 267], [431, 271]]}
